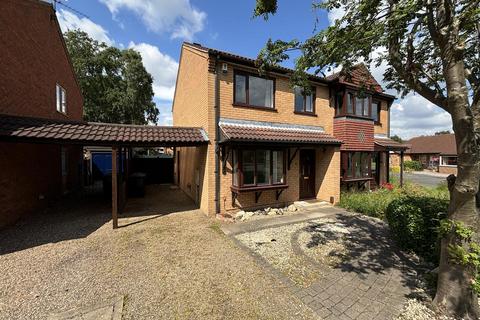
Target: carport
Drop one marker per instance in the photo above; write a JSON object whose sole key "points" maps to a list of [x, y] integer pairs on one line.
{"points": [[120, 138]]}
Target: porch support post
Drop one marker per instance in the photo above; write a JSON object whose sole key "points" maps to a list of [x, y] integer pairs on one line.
{"points": [[114, 188], [401, 168]]}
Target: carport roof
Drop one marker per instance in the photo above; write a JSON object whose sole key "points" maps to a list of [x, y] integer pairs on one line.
{"points": [[29, 129]]}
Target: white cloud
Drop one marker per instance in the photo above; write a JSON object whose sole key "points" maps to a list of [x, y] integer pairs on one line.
{"points": [[70, 21], [161, 66], [335, 14], [416, 116], [165, 117], [179, 17]]}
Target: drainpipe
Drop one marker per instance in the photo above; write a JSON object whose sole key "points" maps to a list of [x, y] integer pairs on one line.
{"points": [[217, 136]]}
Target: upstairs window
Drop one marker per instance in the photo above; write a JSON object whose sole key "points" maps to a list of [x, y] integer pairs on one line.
{"points": [[376, 111], [253, 91], [304, 103], [356, 105], [61, 99]]}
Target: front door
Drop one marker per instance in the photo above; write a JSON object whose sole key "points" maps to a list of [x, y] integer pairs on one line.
{"points": [[307, 174]]}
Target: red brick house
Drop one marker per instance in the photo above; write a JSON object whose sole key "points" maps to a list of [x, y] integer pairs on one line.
{"points": [[438, 152], [272, 144], [36, 80]]}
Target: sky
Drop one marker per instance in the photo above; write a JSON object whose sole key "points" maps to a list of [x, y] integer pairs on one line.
{"points": [[157, 28]]}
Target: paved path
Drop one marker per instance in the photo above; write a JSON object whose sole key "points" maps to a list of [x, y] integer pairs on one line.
{"points": [[374, 283]]}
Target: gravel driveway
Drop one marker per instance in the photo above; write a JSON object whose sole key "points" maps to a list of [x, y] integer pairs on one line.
{"points": [[175, 266]]}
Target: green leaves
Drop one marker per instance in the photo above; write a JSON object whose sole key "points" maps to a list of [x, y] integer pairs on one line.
{"points": [[115, 85]]}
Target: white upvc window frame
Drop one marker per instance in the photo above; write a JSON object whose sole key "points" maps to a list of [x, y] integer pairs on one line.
{"points": [[61, 99], [441, 164]]}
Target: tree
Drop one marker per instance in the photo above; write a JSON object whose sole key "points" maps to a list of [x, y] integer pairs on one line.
{"points": [[396, 138], [115, 85], [438, 133], [430, 47]]}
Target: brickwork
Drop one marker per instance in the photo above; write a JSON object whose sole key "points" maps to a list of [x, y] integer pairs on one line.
{"points": [[382, 127], [448, 170], [33, 61], [30, 68], [357, 134]]}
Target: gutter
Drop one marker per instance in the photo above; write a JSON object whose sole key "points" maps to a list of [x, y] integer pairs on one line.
{"points": [[217, 135]]}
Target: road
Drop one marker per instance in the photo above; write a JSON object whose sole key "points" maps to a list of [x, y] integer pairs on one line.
{"points": [[424, 179]]}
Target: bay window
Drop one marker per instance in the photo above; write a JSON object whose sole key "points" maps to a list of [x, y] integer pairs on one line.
{"points": [[258, 167], [304, 103], [253, 91], [360, 105], [356, 165]]}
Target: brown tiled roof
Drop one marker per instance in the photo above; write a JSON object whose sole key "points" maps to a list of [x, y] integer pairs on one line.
{"points": [[249, 61], [391, 144], [250, 131], [440, 144], [92, 133], [359, 76]]}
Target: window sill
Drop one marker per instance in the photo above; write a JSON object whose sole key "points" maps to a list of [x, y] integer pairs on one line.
{"points": [[258, 188], [239, 105], [310, 114], [353, 116], [356, 179]]}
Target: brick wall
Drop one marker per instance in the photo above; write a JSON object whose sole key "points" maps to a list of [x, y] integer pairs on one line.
{"points": [[448, 170], [356, 134], [382, 127], [190, 108], [33, 60]]}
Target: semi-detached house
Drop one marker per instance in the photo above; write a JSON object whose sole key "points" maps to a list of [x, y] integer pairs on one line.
{"points": [[272, 144]]}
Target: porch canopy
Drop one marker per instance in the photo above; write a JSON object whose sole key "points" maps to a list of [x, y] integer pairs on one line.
{"points": [[117, 136], [386, 144], [255, 132]]}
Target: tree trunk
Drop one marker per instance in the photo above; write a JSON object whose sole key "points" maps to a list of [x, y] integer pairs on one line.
{"points": [[455, 294]]}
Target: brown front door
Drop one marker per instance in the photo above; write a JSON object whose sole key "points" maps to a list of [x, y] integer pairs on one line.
{"points": [[307, 174]]}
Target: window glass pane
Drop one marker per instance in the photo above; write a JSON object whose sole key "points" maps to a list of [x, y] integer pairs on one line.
{"points": [[375, 111], [263, 167], [59, 98], [449, 161], [248, 166], [358, 106], [350, 103], [338, 103], [64, 100], [235, 168], [277, 174], [373, 165], [365, 107], [240, 89], [260, 92], [357, 166], [365, 171], [298, 99], [350, 164], [309, 103]]}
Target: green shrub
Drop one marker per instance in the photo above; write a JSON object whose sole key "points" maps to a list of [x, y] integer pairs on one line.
{"points": [[414, 221], [372, 204], [413, 165]]}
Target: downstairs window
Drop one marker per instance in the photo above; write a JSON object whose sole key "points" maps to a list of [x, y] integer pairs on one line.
{"points": [[356, 165], [258, 167]]}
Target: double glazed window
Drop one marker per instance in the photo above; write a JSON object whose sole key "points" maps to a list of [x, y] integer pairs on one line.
{"points": [[61, 99], [258, 167], [448, 161], [356, 165], [357, 105], [304, 103], [253, 91]]}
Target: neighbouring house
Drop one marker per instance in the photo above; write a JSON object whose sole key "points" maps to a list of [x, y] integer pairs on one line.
{"points": [[438, 152], [272, 144], [42, 133], [36, 80]]}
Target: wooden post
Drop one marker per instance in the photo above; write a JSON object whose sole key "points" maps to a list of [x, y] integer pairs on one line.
{"points": [[401, 168], [114, 189]]}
